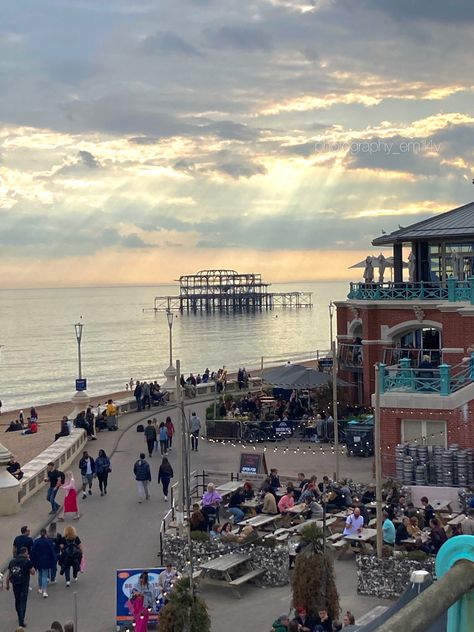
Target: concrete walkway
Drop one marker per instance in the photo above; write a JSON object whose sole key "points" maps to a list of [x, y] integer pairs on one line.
{"points": [[118, 532]]}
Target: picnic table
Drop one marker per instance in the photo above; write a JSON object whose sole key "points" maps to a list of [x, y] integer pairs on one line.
{"points": [[441, 505], [260, 521], [228, 488], [230, 570], [457, 519], [424, 537], [365, 536], [300, 508], [252, 503]]}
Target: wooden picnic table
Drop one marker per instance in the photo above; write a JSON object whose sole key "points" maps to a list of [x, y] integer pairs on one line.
{"points": [[424, 537], [441, 505], [365, 536], [228, 488], [260, 521], [457, 519], [300, 508], [252, 503], [232, 571]]}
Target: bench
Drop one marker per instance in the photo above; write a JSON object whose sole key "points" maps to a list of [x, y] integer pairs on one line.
{"points": [[238, 581], [334, 537]]}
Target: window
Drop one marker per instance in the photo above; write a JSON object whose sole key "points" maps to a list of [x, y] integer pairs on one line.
{"points": [[424, 431]]}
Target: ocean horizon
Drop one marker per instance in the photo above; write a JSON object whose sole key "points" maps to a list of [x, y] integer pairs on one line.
{"points": [[38, 353]]}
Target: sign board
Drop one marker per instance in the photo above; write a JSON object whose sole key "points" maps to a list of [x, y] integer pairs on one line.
{"points": [[126, 580], [253, 463], [282, 429], [81, 385]]}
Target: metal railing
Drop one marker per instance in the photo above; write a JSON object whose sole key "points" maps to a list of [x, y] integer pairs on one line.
{"points": [[350, 355], [392, 356], [452, 290], [443, 380]]}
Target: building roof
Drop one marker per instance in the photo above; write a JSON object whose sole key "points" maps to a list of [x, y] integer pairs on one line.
{"points": [[446, 226]]}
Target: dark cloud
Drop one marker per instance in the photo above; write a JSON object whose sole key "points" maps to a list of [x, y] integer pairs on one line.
{"points": [[167, 43], [88, 159], [143, 140], [134, 241], [245, 38], [241, 169]]}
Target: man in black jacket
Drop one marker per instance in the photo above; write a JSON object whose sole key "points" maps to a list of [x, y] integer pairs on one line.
{"points": [[19, 571], [142, 472], [87, 467]]}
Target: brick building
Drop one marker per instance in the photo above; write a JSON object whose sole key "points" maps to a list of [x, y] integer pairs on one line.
{"points": [[420, 327]]}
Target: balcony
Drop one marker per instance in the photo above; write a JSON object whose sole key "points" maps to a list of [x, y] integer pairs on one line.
{"points": [[453, 291], [392, 355], [443, 380], [350, 357]]}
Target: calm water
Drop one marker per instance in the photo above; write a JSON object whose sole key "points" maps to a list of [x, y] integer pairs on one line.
{"points": [[38, 357]]}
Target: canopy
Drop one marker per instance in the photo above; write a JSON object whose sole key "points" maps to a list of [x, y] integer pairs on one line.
{"points": [[297, 376], [388, 263]]}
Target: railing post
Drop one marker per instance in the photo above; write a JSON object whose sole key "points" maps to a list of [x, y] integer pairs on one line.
{"points": [[382, 377], [444, 379], [422, 289], [471, 366], [407, 378], [452, 281], [471, 288], [351, 290]]}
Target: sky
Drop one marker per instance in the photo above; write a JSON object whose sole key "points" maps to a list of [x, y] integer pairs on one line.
{"points": [[143, 139]]}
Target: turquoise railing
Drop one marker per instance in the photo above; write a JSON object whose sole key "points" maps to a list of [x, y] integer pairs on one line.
{"points": [[442, 380], [453, 290]]}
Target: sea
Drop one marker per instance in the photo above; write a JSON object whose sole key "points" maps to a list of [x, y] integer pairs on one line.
{"points": [[122, 340]]}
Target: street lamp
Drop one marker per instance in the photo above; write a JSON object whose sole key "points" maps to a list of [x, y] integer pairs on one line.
{"points": [[332, 308], [78, 328], [170, 316]]}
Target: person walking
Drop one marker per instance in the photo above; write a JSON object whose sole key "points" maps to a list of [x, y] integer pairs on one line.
{"points": [[55, 478], [71, 555], [170, 429], [163, 439], [142, 472], [102, 470], [87, 467], [55, 538], [195, 428], [19, 570], [165, 474], [70, 500], [43, 557], [150, 437], [24, 539]]}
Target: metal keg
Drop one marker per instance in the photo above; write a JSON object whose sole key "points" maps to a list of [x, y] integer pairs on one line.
{"points": [[447, 466], [408, 470]]}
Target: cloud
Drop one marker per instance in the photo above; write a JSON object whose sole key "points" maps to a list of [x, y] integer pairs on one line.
{"points": [[87, 159], [167, 43], [134, 241], [241, 169], [245, 38]]}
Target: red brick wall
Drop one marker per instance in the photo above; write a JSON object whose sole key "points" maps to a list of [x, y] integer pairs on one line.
{"points": [[460, 429]]}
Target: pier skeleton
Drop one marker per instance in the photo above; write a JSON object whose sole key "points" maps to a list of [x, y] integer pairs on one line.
{"points": [[227, 291]]}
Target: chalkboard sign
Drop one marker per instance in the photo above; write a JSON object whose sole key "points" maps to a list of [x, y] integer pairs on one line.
{"points": [[253, 463]]}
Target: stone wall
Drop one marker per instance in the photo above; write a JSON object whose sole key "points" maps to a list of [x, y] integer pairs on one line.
{"points": [[275, 560], [388, 577]]}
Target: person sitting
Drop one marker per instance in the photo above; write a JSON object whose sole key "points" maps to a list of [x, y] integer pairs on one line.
{"points": [[32, 428], [14, 426], [354, 523], [325, 623], [438, 536], [325, 485], [274, 479], [235, 504], [368, 496], [248, 533], [111, 415], [309, 494], [210, 504], [197, 521], [63, 430], [428, 509], [467, 525], [14, 468], [317, 512], [402, 531], [100, 422], [226, 534], [414, 527], [306, 623], [286, 502], [336, 500], [248, 491], [388, 529], [269, 504]]}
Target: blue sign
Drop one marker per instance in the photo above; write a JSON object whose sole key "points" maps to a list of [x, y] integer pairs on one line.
{"points": [[127, 581], [81, 385]]}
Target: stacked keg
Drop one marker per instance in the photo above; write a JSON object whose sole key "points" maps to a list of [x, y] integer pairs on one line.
{"points": [[438, 464], [454, 449], [447, 469], [421, 470], [400, 453], [470, 465], [462, 468], [408, 470]]}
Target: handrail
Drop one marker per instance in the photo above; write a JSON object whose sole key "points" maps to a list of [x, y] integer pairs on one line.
{"points": [[453, 291]]}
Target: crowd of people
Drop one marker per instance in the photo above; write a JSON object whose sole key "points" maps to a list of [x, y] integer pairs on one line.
{"points": [[42, 557], [25, 427], [305, 622]]}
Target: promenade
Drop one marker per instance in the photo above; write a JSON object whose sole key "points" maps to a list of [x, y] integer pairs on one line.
{"points": [[118, 532]]}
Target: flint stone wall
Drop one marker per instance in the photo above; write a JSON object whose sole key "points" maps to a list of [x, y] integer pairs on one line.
{"points": [[388, 577], [275, 561]]}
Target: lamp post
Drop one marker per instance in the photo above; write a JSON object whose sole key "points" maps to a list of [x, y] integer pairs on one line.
{"points": [[80, 399], [172, 377], [78, 327], [332, 308]]}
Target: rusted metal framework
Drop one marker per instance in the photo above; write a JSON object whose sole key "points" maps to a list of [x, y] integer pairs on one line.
{"points": [[228, 291]]}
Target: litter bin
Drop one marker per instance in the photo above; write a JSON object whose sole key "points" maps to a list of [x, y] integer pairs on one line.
{"points": [[360, 440]]}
